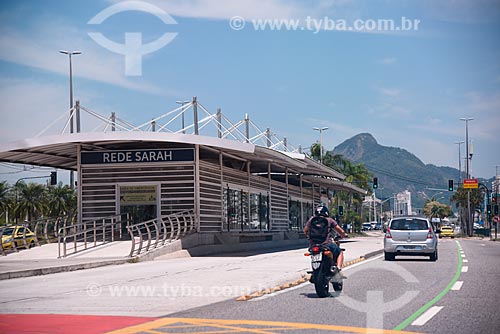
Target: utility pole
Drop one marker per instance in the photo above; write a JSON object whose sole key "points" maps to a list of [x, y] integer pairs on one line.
{"points": [[467, 172], [70, 53], [321, 142]]}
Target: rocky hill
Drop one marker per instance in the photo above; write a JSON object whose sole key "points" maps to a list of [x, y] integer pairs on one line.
{"points": [[398, 170]]}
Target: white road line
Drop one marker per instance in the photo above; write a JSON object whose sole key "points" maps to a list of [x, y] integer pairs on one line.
{"points": [[465, 260], [457, 286], [463, 255], [301, 285], [465, 269], [422, 320]]}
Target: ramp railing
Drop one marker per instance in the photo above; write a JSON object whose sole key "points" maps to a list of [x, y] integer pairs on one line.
{"points": [[77, 238], [33, 233], [156, 233]]}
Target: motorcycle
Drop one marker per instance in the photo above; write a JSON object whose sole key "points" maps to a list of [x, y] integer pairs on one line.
{"points": [[324, 271]]}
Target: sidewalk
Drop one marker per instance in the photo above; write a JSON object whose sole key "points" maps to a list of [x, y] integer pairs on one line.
{"points": [[164, 286], [43, 260]]}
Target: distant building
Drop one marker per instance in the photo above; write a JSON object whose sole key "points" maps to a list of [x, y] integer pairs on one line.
{"points": [[402, 204]]}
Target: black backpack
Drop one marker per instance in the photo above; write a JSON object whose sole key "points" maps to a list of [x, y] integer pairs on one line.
{"points": [[319, 229]]}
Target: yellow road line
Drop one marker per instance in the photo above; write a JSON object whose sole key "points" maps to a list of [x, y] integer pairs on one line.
{"points": [[238, 326]]}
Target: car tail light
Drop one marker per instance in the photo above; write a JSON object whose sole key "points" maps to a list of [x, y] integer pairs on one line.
{"points": [[388, 234], [429, 235], [315, 249]]}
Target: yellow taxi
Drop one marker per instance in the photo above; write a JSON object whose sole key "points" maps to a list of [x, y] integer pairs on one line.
{"points": [[19, 236], [447, 231]]}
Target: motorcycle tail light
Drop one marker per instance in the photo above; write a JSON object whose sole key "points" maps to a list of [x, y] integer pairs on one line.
{"points": [[315, 249]]}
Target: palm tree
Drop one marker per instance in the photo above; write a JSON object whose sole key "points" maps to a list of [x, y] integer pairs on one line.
{"points": [[61, 200], [31, 200], [5, 200]]}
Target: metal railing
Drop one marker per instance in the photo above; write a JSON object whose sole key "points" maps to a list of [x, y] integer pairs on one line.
{"points": [[158, 232], [76, 238], [41, 231]]}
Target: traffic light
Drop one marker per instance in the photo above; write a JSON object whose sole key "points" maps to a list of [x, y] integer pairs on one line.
{"points": [[495, 210], [53, 178], [450, 185], [375, 182], [341, 210], [488, 209]]}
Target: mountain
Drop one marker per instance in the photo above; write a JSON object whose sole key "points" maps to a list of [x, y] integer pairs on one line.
{"points": [[398, 170]]}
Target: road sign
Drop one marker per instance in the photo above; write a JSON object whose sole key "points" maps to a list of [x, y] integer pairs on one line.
{"points": [[471, 184]]}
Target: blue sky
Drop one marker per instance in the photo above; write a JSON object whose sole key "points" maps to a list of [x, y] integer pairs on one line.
{"points": [[407, 88]]}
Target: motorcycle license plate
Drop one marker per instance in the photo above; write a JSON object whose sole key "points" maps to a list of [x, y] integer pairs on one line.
{"points": [[316, 260]]}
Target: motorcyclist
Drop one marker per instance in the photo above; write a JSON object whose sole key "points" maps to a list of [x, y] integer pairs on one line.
{"points": [[322, 211]]}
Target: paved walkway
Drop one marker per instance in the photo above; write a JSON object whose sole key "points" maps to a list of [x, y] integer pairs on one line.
{"points": [[147, 289], [44, 260]]}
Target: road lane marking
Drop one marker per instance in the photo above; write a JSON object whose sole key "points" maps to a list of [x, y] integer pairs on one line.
{"points": [[465, 260], [422, 320], [424, 308], [271, 292], [457, 286], [242, 326], [465, 269]]}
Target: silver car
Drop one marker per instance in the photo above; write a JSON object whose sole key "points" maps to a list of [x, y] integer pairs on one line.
{"points": [[410, 236]]}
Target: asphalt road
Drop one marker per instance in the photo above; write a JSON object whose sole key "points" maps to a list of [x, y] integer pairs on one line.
{"points": [[411, 294]]}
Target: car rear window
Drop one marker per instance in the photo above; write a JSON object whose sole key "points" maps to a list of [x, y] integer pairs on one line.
{"points": [[409, 224]]}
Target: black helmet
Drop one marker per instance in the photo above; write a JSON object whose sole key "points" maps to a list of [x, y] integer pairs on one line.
{"points": [[322, 210]]}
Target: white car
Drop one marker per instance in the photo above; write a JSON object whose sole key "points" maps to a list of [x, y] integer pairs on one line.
{"points": [[410, 236]]}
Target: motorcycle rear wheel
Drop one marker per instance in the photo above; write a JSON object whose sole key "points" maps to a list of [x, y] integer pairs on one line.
{"points": [[321, 286], [337, 286]]}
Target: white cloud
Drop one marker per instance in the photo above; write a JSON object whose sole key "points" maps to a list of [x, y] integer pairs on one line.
{"points": [[225, 9], [27, 106], [388, 60], [391, 92], [40, 49]]}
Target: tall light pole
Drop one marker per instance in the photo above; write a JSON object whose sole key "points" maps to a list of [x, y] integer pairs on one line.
{"points": [[459, 143], [497, 183], [467, 119], [70, 53], [467, 171], [321, 142]]}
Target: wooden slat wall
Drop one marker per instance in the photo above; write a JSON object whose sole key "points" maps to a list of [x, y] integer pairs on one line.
{"points": [[99, 192], [210, 198], [279, 207]]}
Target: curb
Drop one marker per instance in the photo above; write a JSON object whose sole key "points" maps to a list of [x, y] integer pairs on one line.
{"points": [[304, 279], [60, 269]]}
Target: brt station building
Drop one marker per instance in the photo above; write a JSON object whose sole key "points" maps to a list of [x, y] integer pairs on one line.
{"points": [[230, 183]]}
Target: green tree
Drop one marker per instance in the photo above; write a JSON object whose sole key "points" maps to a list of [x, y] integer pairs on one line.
{"points": [[460, 197], [31, 200], [61, 200], [434, 209], [356, 174], [5, 200]]}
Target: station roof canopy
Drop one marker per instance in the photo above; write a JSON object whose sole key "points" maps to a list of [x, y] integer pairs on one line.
{"points": [[61, 151], [260, 148]]}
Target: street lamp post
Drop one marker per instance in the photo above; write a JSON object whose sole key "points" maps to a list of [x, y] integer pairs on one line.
{"points": [[459, 143], [321, 142], [467, 172], [70, 53]]}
